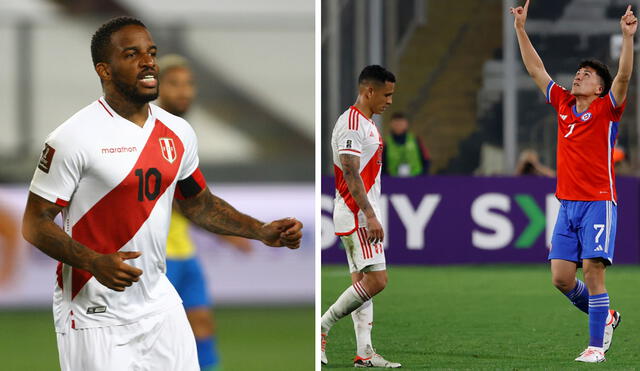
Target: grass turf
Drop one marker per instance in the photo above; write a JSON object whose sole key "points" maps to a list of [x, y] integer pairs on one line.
{"points": [[249, 339], [505, 317]]}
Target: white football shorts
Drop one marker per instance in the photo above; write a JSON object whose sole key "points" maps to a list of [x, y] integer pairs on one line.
{"points": [[362, 255], [162, 341]]}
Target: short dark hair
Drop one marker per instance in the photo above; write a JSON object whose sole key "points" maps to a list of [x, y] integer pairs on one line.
{"points": [[377, 74], [102, 37], [601, 70], [399, 115]]}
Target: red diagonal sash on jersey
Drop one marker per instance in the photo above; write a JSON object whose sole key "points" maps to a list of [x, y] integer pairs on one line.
{"points": [[343, 190], [368, 175], [371, 170], [118, 216]]}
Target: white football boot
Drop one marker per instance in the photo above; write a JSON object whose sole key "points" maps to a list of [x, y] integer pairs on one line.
{"points": [[323, 346], [613, 321], [373, 359], [592, 355]]}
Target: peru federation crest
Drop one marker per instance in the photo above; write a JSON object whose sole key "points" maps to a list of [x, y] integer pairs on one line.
{"points": [[168, 149]]}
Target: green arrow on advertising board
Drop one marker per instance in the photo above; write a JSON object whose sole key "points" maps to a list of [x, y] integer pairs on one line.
{"points": [[537, 221]]}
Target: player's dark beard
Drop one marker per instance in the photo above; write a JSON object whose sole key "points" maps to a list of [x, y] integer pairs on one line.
{"points": [[131, 93]]}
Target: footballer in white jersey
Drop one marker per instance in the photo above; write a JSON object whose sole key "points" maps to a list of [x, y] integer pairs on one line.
{"points": [[113, 170], [122, 184], [356, 135], [357, 162]]}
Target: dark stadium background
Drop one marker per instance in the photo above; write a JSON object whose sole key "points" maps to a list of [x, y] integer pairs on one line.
{"points": [[254, 116]]}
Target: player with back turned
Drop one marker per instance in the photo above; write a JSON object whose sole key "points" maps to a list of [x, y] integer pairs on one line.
{"points": [[584, 234], [113, 170], [357, 159]]}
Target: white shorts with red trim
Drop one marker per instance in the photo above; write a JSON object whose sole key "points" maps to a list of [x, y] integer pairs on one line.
{"points": [[362, 255], [163, 341]]}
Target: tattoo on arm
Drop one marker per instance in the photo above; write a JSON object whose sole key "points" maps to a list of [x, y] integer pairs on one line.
{"points": [[41, 231], [216, 215], [351, 172]]}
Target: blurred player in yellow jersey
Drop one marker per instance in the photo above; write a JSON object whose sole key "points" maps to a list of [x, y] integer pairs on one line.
{"points": [[177, 91]]}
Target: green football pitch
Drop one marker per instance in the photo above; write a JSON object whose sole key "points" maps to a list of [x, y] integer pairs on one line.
{"points": [[498, 317], [249, 339]]}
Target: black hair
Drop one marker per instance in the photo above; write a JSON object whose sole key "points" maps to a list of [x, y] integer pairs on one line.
{"points": [[375, 73], [102, 37], [399, 115], [601, 70]]}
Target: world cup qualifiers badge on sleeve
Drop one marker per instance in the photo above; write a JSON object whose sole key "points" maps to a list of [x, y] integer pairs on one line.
{"points": [[46, 158]]}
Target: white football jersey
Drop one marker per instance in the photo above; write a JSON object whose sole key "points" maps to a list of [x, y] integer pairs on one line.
{"points": [[354, 134], [116, 181]]}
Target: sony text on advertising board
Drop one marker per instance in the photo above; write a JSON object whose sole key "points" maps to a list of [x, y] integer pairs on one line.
{"points": [[442, 220]]}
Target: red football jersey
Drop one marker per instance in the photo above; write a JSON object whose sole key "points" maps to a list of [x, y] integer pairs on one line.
{"points": [[585, 146]]}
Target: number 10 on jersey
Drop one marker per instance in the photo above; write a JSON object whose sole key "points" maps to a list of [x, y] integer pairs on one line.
{"points": [[144, 190]]}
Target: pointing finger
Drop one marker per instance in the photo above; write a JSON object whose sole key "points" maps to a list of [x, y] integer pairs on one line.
{"points": [[628, 9], [526, 6]]}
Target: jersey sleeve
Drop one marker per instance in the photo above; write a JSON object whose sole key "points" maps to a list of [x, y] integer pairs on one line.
{"points": [[556, 94], [58, 172], [190, 158], [190, 179], [615, 111], [350, 136]]}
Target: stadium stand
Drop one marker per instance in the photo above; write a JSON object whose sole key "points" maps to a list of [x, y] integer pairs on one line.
{"points": [[450, 73], [557, 37], [444, 107]]}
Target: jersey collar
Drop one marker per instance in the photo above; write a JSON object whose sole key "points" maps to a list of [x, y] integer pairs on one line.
{"points": [[578, 114], [362, 114], [112, 113]]}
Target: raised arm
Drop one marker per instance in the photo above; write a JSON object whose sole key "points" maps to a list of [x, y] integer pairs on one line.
{"points": [[628, 25], [351, 171], [39, 228], [530, 57], [216, 215]]}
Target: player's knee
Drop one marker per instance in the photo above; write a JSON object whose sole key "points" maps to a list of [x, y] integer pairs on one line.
{"points": [[381, 280], [564, 284], [202, 329], [201, 323], [374, 282], [594, 279], [593, 270]]}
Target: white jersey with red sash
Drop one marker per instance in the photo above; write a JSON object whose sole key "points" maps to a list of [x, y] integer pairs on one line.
{"points": [[355, 134], [116, 182]]}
